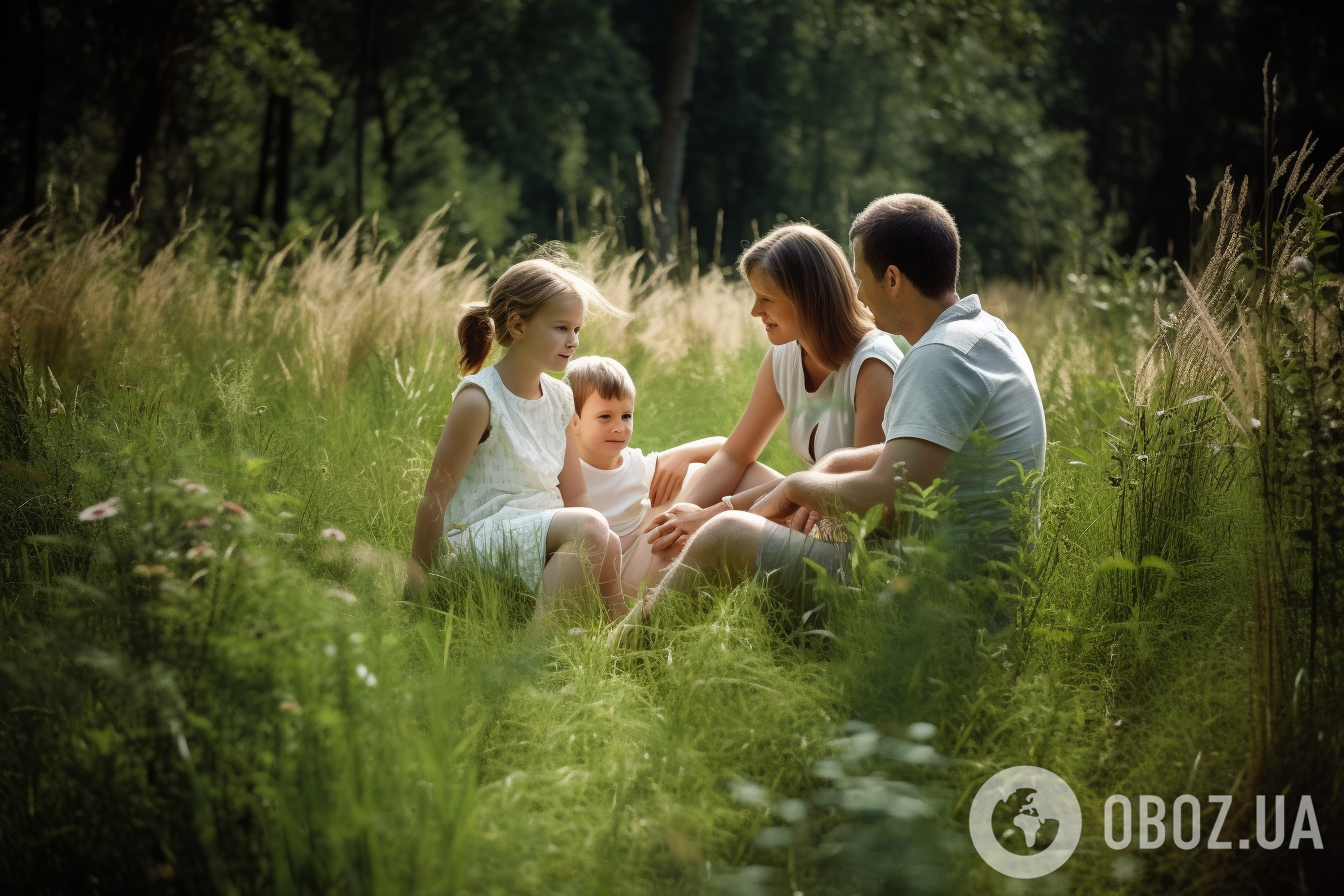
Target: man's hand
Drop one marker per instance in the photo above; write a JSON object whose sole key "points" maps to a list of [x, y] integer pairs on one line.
{"points": [[668, 477], [777, 506], [417, 582], [671, 529]]}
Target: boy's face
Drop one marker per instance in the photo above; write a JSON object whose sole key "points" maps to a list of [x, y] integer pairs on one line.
{"points": [[603, 427]]}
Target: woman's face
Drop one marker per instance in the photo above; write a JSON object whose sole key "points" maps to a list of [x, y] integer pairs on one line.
{"points": [[776, 310], [551, 335]]}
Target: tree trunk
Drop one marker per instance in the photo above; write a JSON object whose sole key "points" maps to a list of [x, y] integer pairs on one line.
{"points": [[264, 164], [126, 179], [284, 137], [676, 119], [33, 151], [284, 149], [361, 101]]}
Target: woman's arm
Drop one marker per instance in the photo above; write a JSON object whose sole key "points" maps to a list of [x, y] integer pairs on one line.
{"points": [[468, 420], [871, 394], [673, 463], [573, 487], [724, 470]]}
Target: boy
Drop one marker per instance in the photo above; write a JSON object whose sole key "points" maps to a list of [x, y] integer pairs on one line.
{"points": [[626, 485]]}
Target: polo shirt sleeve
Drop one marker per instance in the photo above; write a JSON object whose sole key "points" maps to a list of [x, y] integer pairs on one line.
{"points": [[937, 395]]}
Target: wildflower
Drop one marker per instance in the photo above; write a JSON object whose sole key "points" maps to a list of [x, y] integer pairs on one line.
{"points": [[233, 508], [371, 680], [191, 488], [362, 670], [343, 595], [204, 522], [333, 534], [289, 706], [200, 551], [329, 650], [149, 572], [100, 511]]}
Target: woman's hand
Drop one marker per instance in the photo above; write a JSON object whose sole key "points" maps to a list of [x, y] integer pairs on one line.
{"points": [[671, 529], [668, 477]]}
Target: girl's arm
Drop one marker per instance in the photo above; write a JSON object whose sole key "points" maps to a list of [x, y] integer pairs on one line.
{"points": [[670, 471], [573, 488], [724, 470], [468, 419], [871, 393]]}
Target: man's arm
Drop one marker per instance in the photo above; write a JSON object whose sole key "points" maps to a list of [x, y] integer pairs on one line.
{"points": [[900, 461], [849, 460]]}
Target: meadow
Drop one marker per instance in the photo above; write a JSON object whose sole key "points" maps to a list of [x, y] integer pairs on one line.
{"points": [[213, 684]]}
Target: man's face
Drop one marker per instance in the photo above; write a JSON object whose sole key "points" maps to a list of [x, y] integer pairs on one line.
{"points": [[879, 295]]}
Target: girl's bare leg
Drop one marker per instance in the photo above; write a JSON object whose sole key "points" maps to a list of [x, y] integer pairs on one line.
{"points": [[579, 539]]}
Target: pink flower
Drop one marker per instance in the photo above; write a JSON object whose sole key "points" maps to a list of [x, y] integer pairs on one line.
{"points": [[204, 522], [191, 488], [233, 508], [104, 510], [288, 706], [333, 534], [201, 550]]}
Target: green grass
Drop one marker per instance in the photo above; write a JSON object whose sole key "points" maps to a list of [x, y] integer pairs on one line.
{"points": [[273, 717]]}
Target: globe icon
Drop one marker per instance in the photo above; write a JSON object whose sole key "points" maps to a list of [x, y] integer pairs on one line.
{"points": [[1022, 824], [1025, 821]]}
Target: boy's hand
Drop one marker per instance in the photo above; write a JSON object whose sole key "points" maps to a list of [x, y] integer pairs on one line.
{"points": [[668, 476]]}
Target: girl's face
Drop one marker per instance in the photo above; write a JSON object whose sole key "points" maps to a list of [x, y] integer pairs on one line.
{"points": [[776, 310], [549, 337]]}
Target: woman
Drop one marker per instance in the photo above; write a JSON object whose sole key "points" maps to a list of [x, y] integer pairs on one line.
{"points": [[828, 371]]}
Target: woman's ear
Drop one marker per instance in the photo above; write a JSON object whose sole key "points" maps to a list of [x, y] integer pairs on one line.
{"points": [[514, 326]]}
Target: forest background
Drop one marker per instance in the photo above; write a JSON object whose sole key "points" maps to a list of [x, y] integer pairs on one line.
{"points": [[217, 414], [1053, 129]]}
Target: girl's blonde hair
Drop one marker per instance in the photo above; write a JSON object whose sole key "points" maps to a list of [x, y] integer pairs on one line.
{"points": [[814, 274], [520, 290]]}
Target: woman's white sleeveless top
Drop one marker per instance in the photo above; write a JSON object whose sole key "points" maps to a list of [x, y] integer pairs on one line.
{"points": [[511, 486], [823, 420]]}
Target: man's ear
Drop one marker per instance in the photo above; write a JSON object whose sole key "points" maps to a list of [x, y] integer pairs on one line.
{"points": [[892, 278]]}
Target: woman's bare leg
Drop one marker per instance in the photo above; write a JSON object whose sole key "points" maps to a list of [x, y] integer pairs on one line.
{"points": [[578, 540], [644, 567]]}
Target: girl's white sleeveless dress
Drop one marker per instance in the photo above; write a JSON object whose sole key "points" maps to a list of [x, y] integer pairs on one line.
{"points": [[822, 421], [511, 488]]}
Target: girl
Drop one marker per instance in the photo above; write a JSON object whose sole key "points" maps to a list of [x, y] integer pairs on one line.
{"points": [[505, 481], [828, 372]]}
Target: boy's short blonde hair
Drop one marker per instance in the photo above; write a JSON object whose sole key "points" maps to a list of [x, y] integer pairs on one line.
{"points": [[605, 376]]}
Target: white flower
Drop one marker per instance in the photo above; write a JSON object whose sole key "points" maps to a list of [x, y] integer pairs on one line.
{"points": [[100, 511], [333, 534], [201, 550], [371, 680], [362, 670], [342, 595]]}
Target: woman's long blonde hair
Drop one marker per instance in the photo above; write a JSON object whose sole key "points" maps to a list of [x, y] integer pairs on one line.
{"points": [[814, 274], [521, 291]]}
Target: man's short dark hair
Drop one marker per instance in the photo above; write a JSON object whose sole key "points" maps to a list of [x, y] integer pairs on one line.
{"points": [[914, 233]]}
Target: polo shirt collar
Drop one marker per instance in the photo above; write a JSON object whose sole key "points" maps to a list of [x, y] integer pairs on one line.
{"points": [[965, 309]]}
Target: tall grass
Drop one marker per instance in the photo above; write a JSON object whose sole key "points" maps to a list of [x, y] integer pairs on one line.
{"points": [[268, 715]]}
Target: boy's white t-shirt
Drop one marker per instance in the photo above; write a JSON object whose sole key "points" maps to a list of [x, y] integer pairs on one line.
{"points": [[622, 494]]}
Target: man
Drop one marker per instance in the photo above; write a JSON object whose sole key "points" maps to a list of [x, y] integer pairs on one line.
{"points": [[964, 406]]}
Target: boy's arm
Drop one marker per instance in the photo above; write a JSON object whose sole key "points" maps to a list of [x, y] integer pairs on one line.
{"points": [[670, 472]]}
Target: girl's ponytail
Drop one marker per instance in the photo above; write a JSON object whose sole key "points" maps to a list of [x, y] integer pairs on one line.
{"points": [[475, 335]]}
